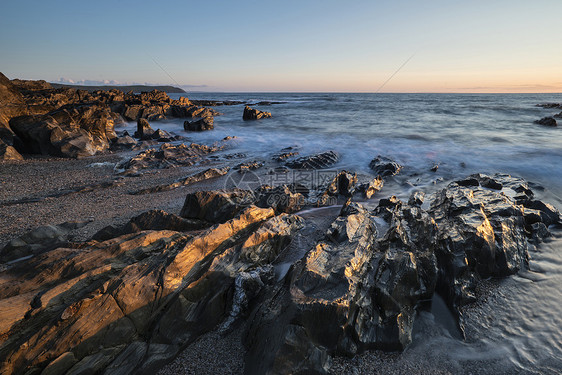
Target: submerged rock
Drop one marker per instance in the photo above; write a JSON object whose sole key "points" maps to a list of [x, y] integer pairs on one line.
{"points": [[254, 114]]}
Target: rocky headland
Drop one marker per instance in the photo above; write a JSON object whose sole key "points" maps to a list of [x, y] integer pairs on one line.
{"points": [[120, 253]]}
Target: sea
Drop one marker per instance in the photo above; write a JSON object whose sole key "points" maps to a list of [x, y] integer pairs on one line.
{"points": [[517, 326]]}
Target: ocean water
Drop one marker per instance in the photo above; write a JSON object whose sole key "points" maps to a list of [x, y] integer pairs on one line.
{"points": [[517, 328]]}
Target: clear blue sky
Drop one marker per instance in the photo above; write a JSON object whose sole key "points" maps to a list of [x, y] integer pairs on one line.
{"points": [[457, 46]]}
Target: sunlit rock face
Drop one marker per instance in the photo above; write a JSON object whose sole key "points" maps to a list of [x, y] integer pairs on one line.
{"points": [[132, 297]]}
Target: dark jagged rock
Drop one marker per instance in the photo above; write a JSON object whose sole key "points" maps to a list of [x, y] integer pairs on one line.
{"points": [[284, 198], [254, 114], [558, 115], [206, 123], [372, 187], [71, 131], [129, 304], [350, 292], [38, 240], [248, 166], [124, 143], [144, 130], [483, 232], [343, 184], [550, 105], [216, 206], [316, 161], [547, 121], [384, 166], [197, 177], [151, 220], [167, 156], [12, 104]]}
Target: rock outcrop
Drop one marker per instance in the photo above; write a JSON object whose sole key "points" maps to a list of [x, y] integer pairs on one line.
{"points": [[133, 296], [384, 166], [316, 161], [129, 304], [206, 123], [547, 121], [254, 114], [75, 123], [73, 131]]}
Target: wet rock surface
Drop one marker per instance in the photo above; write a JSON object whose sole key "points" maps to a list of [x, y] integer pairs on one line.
{"points": [[384, 166], [316, 161], [254, 114], [132, 296], [547, 121]]}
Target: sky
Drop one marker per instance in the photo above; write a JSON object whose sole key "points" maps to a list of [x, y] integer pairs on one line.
{"points": [[295, 46]]}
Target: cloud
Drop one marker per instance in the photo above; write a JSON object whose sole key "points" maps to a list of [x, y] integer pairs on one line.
{"points": [[89, 82]]}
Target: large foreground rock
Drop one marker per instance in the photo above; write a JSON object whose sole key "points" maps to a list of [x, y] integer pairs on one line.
{"points": [[129, 304], [73, 131]]}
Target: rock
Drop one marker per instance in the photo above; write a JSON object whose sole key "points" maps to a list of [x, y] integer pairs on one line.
{"points": [[550, 105], [12, 104], [348, 293], [38, 240], [265, 244], [372, 187], [150, 220], [197, 177], [144, 130], [254, 114], [316, 161], [284, 198], [124, 143], [482, 233], [343, 184], [167, 156], [216, 206], [128, 304], [162, 136], [8, 152], [558, 115], [72, 131], [416, 199], [384, 166], [248, 166], [547, 121], [206, 123]]}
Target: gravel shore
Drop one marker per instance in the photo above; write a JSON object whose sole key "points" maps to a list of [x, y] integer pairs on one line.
{"points": [[38, 180]]}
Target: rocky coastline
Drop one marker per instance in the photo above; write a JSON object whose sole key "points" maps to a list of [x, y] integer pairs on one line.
{"points": [[121, 253]]}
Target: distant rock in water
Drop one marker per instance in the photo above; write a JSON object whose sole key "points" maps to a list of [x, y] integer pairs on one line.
{"points": [[206, 123], [254, 114], [547, 121], [550, 105], [316, 161], [384, 166]]}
